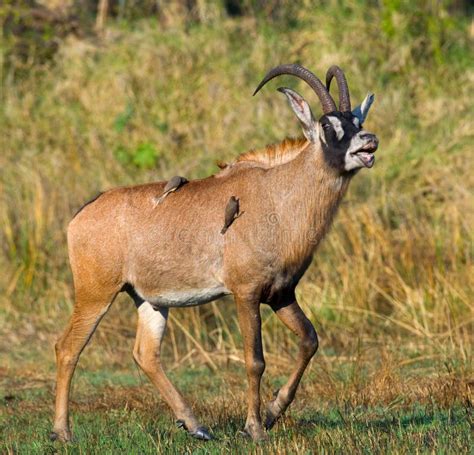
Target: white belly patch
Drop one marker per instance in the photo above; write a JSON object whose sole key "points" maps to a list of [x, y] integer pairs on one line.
{"points": [[189, 297]]}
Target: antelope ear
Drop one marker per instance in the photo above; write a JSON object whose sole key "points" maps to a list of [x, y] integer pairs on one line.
{"points": [[361, 111], [303, 112]]}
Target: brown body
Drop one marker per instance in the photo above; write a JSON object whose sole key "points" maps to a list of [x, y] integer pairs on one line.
{"points": [[176, 247], [173, 255]]}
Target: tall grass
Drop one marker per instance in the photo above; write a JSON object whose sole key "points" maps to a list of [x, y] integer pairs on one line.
{"points": [[147, 102]]}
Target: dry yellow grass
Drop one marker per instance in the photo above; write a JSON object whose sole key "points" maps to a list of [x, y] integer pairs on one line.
{"points": [[390, 291], [396, 270]]}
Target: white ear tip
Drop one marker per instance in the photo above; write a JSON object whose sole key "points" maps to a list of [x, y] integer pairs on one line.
{"points": [[369, 99], [365, 106]]}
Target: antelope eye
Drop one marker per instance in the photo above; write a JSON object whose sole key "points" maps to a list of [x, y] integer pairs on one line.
{"points": [[326, 126]]}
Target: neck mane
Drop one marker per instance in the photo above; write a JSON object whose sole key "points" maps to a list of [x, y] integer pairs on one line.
{"points": [[271, 156]]}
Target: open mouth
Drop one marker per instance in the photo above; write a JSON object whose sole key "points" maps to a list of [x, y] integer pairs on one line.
{"points": [[366, 154]]}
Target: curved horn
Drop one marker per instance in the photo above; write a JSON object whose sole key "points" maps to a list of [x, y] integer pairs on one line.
{"points": [[296, 70], [344, 98]]}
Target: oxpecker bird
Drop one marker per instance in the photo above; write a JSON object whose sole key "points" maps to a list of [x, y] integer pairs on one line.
{"points": [[173, 184], [231, 213]]}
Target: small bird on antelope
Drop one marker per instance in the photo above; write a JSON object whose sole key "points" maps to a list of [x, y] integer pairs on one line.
{"points": [[173, 184], [231, 213]]}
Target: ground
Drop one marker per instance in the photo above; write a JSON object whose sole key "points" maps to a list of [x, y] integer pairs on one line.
{"points": [[342, 407]]}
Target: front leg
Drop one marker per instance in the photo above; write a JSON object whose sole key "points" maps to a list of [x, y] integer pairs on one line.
{"points": [[147, 353], [294, 318], [248, 311]]}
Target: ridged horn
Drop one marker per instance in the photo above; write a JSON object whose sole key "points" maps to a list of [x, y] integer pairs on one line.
{"points": [[344, 97], [313, 81]]}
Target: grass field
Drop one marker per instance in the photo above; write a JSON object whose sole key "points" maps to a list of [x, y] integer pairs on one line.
{"points": [[390, 291], [341, 408]]}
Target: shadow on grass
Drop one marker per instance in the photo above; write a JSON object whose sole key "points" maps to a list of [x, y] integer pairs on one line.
{"points": [[421, 417]]}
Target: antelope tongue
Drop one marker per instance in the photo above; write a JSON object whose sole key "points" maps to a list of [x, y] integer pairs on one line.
{"points": [[367, 158]]}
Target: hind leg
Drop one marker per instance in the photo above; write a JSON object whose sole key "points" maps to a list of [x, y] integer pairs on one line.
{"points": [[150, 332], [293, 317], [89, 309]]}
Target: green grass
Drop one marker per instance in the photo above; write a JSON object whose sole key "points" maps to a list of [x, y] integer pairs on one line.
{"points": [[120, 413], [390, 291]]}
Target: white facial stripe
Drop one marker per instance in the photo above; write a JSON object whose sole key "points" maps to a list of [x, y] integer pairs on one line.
{"points": [[337, 125], [356, 142], [321, 134], [356, 122], [153, 320]]}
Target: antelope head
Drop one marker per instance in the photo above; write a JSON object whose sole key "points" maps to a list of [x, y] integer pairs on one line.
{"points": [[339, 132]]}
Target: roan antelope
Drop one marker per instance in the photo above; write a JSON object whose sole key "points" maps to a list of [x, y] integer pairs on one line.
{"points": [[173, 254]]}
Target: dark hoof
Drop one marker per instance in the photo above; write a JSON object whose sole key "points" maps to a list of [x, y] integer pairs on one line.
{"points": [[270, 421], [201, 433], [62, 436], [273, 413], [272, 416], [53, 436], [181, 424]]}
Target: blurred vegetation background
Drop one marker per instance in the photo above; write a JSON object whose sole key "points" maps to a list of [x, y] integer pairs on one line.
{"points": [[101, 94]]}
